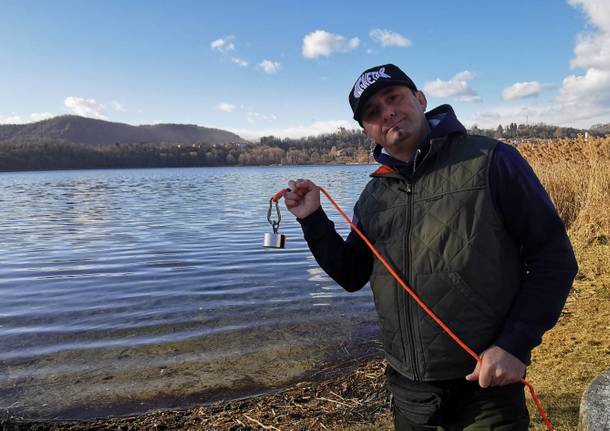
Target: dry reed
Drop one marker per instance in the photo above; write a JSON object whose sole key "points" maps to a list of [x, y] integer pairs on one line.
{"points": [[576, 174]]}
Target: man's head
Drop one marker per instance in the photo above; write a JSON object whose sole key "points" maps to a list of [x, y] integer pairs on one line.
{"points": [[390, 109]]}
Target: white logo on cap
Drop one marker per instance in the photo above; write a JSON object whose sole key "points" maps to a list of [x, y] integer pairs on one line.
{"points": [[367, 79]]}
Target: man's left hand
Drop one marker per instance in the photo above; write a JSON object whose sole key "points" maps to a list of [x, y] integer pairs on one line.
{"points": [[497, 368]]}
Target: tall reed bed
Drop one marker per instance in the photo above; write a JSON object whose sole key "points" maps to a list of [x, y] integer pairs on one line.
{"points": [[576, 174]]}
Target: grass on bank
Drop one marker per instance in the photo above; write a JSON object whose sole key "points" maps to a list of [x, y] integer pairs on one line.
{"points": [[576, 173]]}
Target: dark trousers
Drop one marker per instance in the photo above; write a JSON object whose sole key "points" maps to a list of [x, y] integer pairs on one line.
{"points": [[452, 405]]}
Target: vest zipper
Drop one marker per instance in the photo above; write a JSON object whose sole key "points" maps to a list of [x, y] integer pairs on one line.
{"points": [[417, 153], [406, 298]]}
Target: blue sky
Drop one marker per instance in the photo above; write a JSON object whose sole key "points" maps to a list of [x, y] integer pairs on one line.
{"points": [[286, 67]]}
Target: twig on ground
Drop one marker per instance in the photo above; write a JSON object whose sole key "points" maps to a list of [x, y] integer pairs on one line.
{"points": [[333, 401], [263, 426]]}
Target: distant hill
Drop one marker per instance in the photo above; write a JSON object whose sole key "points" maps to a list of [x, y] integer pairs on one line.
{"points": [[89, 131], [72, 142]]}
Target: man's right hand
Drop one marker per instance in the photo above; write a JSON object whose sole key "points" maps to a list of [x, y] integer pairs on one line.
{"points": [[303, 198]]}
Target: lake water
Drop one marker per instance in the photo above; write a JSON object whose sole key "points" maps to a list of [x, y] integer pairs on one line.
{"points": [[125, 290]]}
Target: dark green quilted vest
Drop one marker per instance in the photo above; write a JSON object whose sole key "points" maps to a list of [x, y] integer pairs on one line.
{"points": [[441, 233]]}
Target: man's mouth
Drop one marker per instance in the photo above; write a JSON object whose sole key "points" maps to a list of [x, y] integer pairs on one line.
{"points": [[393, 126]]}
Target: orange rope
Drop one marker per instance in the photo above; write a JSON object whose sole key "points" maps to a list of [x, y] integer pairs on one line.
{"points": [[430, 313]]}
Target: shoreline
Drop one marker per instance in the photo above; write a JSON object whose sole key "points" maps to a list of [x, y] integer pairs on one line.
{"points": [[118, 168], [342, 395]]}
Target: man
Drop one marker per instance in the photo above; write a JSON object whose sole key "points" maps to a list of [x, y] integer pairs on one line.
{"points": [[466, 223]]}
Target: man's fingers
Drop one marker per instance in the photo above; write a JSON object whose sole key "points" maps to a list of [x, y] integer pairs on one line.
{"points": [[292, 196], [485, 379], [305, 185], [474, 376], [300, 186], [291, 203], [486, 372]]}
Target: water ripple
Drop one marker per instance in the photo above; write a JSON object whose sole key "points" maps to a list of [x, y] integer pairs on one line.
{"points": [[95, 261]]}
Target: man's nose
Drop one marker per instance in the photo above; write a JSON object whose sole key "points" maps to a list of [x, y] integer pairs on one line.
{"points": [[388, 113]]}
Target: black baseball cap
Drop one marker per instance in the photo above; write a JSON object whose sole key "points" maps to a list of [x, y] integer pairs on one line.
{"points": [[371, 81]]}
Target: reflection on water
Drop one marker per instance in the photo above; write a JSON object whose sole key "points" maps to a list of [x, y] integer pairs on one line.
{"points": [[137, 285]]}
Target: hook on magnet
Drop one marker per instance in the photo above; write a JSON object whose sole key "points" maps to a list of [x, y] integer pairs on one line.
{"points": [[275, 239]]}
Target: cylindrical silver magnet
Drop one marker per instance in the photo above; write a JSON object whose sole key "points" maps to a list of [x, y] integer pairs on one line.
{"points": [[274, 240]]}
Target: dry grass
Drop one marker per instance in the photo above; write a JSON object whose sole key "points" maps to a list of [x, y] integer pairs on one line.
{"points": [[576, 173]]}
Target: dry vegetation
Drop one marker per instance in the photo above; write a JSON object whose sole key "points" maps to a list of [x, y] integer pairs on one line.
{"points": [[576, 174]]}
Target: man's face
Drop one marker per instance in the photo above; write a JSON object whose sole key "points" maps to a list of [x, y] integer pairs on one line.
{"points": [[394, 118]]}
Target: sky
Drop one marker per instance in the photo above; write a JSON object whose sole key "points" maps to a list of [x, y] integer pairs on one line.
{"points": [[285, 68]]}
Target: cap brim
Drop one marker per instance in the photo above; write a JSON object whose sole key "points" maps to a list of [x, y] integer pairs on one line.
{"points": [[370, 92]]}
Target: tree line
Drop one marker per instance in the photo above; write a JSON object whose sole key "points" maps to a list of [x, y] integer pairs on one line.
{"points": [[539, 131], [343, 146]]}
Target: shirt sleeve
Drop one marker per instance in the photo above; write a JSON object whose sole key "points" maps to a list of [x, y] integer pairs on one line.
{"points": [[349, 262], [549, 264]]}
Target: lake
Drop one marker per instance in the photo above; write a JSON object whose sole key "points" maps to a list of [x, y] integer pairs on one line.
{"points": [[127, 290]]}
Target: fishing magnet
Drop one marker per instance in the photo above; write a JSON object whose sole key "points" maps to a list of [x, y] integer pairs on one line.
{"points": [[275, 239]]}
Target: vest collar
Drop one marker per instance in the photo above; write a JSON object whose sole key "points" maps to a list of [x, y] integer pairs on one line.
{"points": [[443, 122]]}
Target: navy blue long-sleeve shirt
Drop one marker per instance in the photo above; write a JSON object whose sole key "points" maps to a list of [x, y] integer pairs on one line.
{"points": [[549, 265]]}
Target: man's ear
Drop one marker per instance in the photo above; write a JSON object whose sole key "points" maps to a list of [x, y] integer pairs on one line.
{"points": [[421, 98], [364, 132]]}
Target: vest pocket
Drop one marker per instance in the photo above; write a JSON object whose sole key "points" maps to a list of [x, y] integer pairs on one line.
{"points": [[470, 294]]}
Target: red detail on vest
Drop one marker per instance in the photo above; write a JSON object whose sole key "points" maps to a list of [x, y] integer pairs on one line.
{"points": [[383, 169]]}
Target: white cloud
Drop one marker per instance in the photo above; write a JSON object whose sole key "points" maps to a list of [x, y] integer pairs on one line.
{"points": [[457, 87], [473, 97], [593, 86], [223, 45], [574, 115], [118, 106], [39, 116], [239, 61], [299, 131], [590, 91], [85, 107], [268, 66], [520, 90], [583, 97], [387, 38], [11, 119], [322, 43], [225, 107], [592, 51], [597, 11], [255, 117], [17, 119], [227, 49]]}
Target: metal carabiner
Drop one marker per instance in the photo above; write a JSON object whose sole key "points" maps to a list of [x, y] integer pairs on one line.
{"points": [[275, 239], [274, 224]]}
